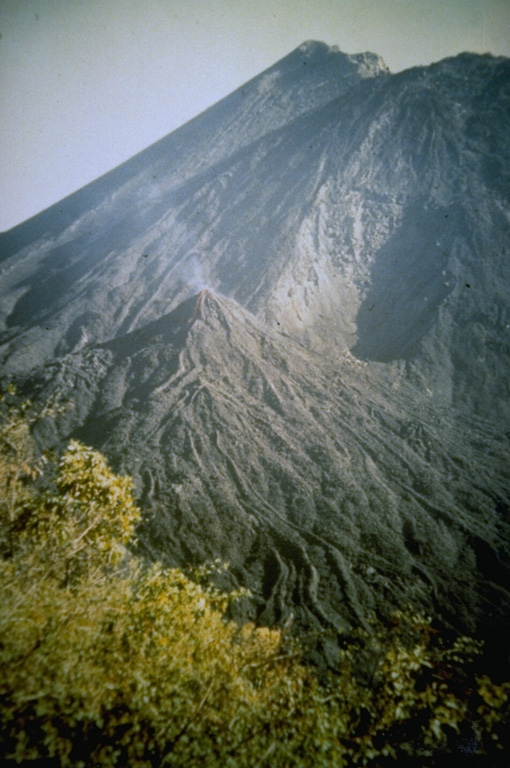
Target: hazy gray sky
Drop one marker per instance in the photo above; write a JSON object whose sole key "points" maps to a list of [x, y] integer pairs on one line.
{"points": [[85, 84]]}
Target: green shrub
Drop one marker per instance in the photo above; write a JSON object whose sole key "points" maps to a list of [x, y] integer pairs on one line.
{"points": [[105, 661]]}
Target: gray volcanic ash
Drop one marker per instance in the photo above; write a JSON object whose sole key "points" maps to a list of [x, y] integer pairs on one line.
{"points": [[331, 414]]}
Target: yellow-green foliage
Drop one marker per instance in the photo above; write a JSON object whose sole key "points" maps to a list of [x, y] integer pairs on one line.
{"points": [[106, 662]]}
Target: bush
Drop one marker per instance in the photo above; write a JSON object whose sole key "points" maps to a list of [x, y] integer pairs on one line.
{"points": [[106, 661]]}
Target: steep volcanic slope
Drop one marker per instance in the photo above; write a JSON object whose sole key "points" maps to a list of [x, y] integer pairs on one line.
{"points": [[337, 428], [326, 496], [356, 209], [128, 226]]}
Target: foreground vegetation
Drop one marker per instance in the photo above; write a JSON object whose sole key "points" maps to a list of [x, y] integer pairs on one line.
{"points": [[106, 661]]}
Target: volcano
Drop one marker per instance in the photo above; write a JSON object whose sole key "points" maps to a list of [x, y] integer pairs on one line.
{"points": [[289, 322]]}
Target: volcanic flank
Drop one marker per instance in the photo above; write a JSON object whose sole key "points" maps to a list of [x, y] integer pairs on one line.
{"points": [[330, 415]]}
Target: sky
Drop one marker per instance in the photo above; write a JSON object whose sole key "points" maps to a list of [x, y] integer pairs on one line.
{"points": [[86, 84]]}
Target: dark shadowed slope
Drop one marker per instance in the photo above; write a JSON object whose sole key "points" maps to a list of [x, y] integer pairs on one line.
{"points": [[327, 496]]}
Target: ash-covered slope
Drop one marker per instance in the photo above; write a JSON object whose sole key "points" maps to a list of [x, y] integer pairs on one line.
{"points": [[356, 209], [129, 226], [337, 428], [329, 498]]}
